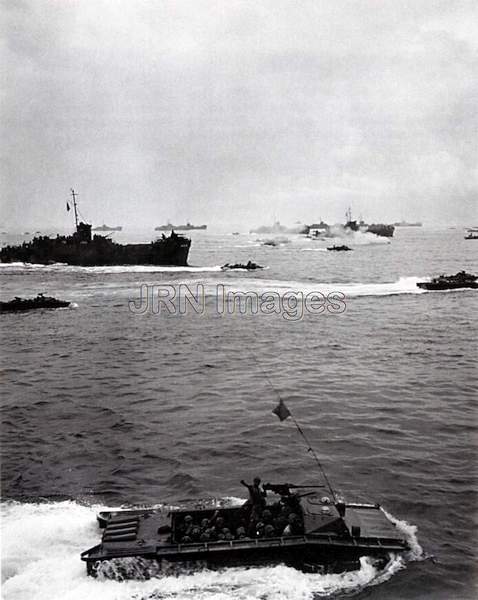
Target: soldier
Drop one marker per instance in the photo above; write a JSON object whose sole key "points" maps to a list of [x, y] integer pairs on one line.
{"points": [[257, 496]]}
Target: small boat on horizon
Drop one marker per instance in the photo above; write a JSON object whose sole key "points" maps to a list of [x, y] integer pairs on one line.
{"points": [[107, 228], [41, 301], [407, 224], [342, 248], [187, 227], [249, 266]]}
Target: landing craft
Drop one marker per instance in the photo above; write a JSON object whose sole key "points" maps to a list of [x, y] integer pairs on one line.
{"points": [[41, 301], [450, 282], [379, 229], [84, 250], [327, 536], [299, 526]]}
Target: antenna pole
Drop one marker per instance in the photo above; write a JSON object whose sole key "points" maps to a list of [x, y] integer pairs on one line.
{"points": [[74, 195], [299, 429]]}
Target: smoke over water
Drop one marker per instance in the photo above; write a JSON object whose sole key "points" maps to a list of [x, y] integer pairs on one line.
{"points": [[41, 560]]}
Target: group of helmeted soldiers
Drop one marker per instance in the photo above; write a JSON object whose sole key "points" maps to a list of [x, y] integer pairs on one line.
{"points": [[256, 520]]}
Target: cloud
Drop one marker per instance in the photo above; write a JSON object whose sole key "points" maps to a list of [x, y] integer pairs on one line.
{"points": [[214, 111]]}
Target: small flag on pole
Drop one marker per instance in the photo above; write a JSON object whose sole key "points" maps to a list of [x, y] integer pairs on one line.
{"points": [[68, 207], [282, 411]]}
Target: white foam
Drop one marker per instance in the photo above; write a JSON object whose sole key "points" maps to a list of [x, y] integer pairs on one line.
{"points": [[410, 532], [64, 268], [404, 285], [41, 560]]}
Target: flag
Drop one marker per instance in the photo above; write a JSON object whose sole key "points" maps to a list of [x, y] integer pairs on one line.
{"points": [[67, 206], [282, 411]]}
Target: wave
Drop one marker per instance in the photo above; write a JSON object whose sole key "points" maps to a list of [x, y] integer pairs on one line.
{"points": [[41, 559], [255, 285], [359, 238], [15, 267]]}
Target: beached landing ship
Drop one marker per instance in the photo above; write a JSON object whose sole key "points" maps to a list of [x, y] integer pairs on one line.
{"points": [[84, 250], [450, 282], [322, 535], [41, 301]]}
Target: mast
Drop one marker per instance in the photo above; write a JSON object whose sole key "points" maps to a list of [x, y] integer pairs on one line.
{"points": [[74, 195]]}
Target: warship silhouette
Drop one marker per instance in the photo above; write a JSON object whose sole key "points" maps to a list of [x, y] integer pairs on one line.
{"points": [[83, 249]]}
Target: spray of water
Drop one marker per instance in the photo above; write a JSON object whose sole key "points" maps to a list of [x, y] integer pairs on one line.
{"points": [[41, 560]]}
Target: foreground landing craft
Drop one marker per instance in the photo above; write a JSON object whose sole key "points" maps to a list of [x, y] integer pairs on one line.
{"points": [[327, 536], [303, 530]]}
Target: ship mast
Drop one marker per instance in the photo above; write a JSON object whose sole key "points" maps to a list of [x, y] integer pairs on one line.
{"points": [[74, 195]]}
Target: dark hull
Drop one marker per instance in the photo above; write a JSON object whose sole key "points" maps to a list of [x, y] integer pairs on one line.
{"points": [[241, 267], [430, 285], [301, 553], [381, 230], [150, 535], [99, 251], [23, 305]]}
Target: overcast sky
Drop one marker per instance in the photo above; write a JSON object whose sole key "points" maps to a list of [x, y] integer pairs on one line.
{"points": [[239, 111]]}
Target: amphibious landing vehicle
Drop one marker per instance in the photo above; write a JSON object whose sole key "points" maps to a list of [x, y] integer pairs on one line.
{"points": [[342, 248], [450, 282], [41, 301], [249, 266], [319, 534]]}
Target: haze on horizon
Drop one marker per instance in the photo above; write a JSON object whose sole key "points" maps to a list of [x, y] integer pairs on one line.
{"points": [[239, 113]]}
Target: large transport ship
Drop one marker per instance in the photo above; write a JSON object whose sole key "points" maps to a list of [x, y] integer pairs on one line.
{"points": [[83, 249]]}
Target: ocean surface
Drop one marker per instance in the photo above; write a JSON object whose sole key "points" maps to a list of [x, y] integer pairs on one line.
{"points": [[114, 403]]}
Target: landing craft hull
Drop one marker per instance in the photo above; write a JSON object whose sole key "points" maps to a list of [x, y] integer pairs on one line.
{"points": [[429, 285], [22, 305], [99, 252], [330, 541]]}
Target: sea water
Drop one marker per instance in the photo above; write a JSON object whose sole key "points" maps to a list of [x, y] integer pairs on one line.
{"points": [[107, 406]]}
